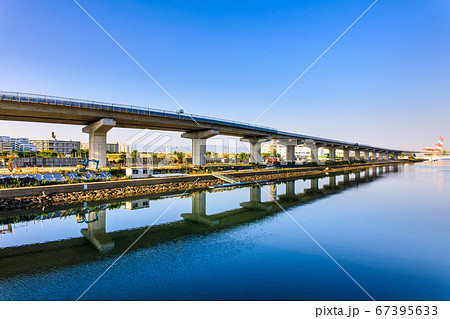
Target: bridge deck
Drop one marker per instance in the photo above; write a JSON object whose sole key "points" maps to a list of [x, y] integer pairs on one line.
{"points": [[16, 106]]}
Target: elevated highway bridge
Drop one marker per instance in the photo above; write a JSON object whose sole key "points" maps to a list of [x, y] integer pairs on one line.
{"points": [[99, 117]]}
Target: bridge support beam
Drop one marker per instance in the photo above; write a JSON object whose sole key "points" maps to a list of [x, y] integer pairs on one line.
{"points": [[346, 154], [199, 145], [97, 140], [255, 147], [332, 154], [357, 155], [314, 150], [290, 154], [395, 156], [290, 149]]}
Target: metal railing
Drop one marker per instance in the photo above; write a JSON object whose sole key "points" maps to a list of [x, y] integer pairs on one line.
{"points": [[112, 107]]}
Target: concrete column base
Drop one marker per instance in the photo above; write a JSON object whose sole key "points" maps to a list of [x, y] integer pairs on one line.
{"points": [[199, 145], [346, 155], [332, 151], [255, 148], [97, 140]]}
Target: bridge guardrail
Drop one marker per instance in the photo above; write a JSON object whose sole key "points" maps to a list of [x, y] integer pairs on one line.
{"points": [[62, 101]]}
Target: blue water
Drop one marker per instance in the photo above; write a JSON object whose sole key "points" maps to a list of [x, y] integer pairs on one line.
{"points": [[389, 232]]}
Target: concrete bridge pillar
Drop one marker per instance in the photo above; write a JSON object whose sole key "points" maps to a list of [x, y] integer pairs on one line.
{"points": [[346, 154], [290, 154], [290, 149], [314, 150], [97, 140], [255, 147], [395, 156], [199, 145], [96, 231], [357, 155], [332, 151]]}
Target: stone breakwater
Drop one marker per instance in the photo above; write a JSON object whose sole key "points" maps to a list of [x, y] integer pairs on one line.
{"points": [[25, 202]]}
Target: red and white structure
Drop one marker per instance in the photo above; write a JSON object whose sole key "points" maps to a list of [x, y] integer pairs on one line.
{"points": [[436, 148]]}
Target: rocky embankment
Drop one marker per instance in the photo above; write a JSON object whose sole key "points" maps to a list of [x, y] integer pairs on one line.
{"points": [[133, 191]]}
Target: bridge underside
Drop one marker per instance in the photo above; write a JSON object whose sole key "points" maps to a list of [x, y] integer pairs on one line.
{"points": [[198, 128]]}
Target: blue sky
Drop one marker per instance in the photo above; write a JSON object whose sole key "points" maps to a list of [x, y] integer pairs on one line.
{"points": [[385, 83]]}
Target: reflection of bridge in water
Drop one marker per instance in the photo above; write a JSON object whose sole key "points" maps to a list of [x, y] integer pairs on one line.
{"points": [[67, 252]]}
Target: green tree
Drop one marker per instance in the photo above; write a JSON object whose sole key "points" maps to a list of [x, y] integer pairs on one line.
{"points": [[243, 156], [180, 157]]}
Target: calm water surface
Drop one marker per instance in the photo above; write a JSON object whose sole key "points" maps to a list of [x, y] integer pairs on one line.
{"points": [[389, 229]]}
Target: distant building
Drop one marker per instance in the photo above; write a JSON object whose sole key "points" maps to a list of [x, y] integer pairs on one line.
{"points": [[62, 147], [26, 147], [84, 146], [112, 147], [21, 144], [123, 148], [5, 144]]}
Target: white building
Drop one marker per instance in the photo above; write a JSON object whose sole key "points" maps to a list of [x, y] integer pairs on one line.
{"points": [[27, 147], [137, 204], [300, 151], [137, 172]]}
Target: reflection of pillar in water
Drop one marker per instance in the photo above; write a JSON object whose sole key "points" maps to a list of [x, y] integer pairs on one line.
{"points": [[96, 231], [290, 188], [332, 180], [255, 194], [346, 178], [357, 176], [395, 168], [366, 174], [387, 169], [199, 203], [273, 192], [314, 183]]}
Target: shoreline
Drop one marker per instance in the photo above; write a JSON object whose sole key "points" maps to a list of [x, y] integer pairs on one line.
{"points": [[45, 196]]}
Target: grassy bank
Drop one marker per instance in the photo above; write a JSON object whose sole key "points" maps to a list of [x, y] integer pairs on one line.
{"points": [[25, 202]]}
